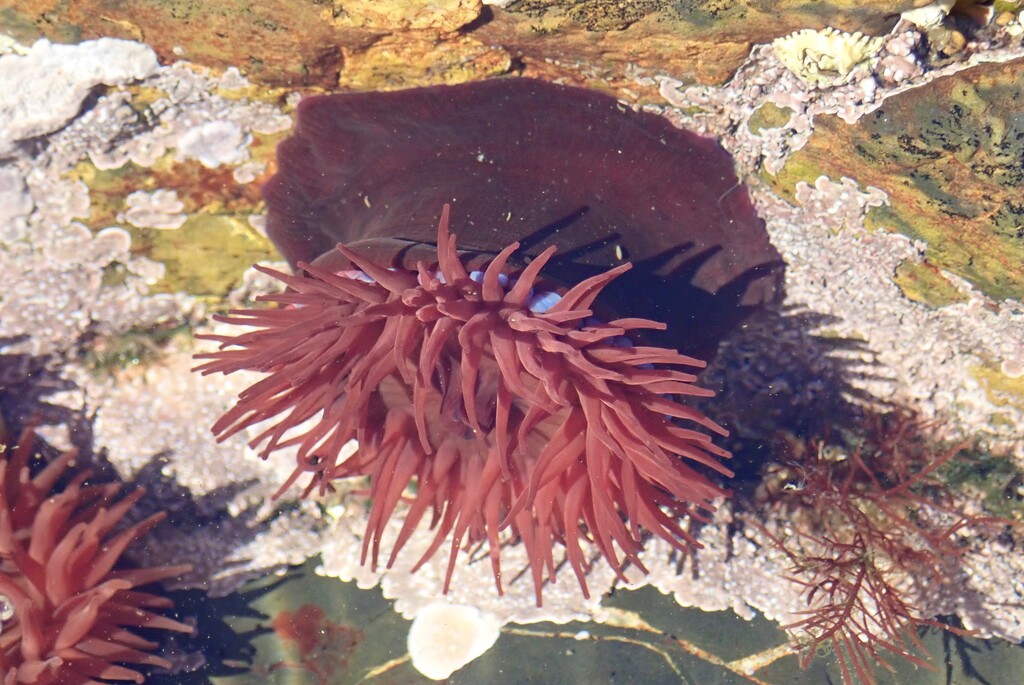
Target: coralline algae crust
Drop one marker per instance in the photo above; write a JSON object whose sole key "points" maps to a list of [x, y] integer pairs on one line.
{"points": [[44, 88], [71, 285], [831, 274]]}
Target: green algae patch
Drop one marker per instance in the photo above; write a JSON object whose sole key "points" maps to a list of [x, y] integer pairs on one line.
{"points": [[713, 20], [769, 115], [199, 189], [107, 190], [599, 15], [948, 156], [995, 481], [282, 43], [807, 165], [135, 347], [394, 63], [703, 41], [923, 283], [1000, 388], [206, 256], [19, 23], [1011, 6]]}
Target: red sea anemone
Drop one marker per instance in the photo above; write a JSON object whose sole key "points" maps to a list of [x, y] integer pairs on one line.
{"points": [[503, 413], [68, 616], [513, 421]]}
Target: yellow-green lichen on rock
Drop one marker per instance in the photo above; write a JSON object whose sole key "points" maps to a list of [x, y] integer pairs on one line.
{"points": [[392, 15], [208, 248], [694, 40], [711, 37], [769, 115], [411, 60], [921, 282], [211, 191], [948, 156], [207, 255], [754, 19], [1001, 388], [996, 481], [259, 38]]}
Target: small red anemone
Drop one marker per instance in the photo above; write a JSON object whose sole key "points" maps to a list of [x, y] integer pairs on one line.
{"points": [[67, 615], [503, 415]]}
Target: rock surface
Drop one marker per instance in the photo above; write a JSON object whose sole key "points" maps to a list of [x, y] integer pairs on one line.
{"points": [[129, 205]]}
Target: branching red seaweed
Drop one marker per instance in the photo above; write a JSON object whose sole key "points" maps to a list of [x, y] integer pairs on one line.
{"points": [[873, 527]]}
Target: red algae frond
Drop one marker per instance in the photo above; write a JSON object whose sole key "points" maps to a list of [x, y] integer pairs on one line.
{"points": [[872, 521], [545, 422]]}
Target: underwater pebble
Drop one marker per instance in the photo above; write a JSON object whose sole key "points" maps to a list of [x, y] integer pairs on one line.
{"points": [[445, 637]]}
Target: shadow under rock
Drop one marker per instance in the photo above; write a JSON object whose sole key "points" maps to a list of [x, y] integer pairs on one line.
{"points": [[25, 383], [958, 649], [225, 628], [198, 530], [668, 286], [785, 371], [696, 320]]}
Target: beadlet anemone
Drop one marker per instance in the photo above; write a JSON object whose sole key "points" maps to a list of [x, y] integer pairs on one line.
{"points": [[67, 616], [491, 372]]}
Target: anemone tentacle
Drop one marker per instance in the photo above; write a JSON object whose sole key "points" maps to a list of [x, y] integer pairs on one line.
{"points": [[548, 422], [72, 611]]}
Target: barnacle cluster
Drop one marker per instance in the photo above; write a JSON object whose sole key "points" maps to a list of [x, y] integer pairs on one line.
{"points": [[827, 57], [928, 16]]}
